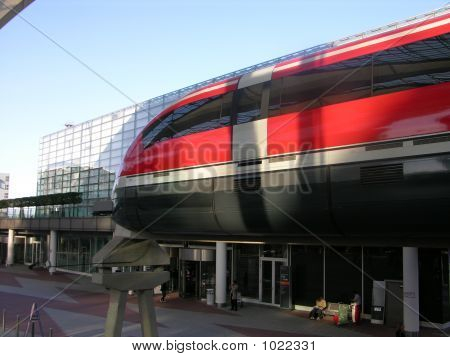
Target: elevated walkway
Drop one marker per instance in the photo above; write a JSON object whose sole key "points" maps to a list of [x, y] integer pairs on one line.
{"points": [[75, 224]]}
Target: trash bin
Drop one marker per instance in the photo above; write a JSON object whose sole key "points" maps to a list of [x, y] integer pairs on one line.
{"points": [[210, 296]]}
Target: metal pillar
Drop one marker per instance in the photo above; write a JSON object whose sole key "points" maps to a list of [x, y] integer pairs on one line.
{"points": [[411, 291], [10, 253], [52, 252], [221, 273]]}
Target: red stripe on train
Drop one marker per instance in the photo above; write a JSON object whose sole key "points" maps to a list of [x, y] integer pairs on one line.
{"points": [[408, 113], [208, 147], [412, 112]]}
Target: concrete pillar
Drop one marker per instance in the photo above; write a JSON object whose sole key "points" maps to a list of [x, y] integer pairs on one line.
{"points": [[116, 313], [221, 273], [52, 252], [411, 291], [149, 326], [10, 253]]}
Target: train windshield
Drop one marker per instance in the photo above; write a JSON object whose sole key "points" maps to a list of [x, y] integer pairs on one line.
{"points": [[202, 115]]}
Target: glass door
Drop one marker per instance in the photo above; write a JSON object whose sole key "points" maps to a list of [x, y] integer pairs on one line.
{"points": [[270, 280], [276, 268], [266, 282], [189, 278], [36, 256]]}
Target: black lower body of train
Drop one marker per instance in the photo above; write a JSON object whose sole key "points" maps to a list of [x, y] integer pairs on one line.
{"points": [[389, 202]]}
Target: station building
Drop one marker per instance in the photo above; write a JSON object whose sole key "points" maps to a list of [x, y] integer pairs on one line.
{"points": [[86, 157]]}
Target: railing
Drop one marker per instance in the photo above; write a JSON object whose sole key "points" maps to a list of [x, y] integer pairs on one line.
{"points": [[56, 211]]}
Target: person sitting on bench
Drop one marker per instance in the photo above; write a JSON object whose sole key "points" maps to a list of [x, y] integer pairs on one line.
{"points": [[317, 311]]}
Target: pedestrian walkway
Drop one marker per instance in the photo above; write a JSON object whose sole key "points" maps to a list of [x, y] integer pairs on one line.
{"points": [[80, 310]]}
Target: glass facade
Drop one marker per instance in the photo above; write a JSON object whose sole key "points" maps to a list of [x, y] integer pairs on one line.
{"points": [[75, 250], [85, 158]]}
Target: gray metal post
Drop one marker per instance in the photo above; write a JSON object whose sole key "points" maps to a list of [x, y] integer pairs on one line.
{"points": [[148, 315], [221, 273], [32, 328], [3, 321], [52, 252], [116, 312], [411, 319], [10, 251], [50, 332]]}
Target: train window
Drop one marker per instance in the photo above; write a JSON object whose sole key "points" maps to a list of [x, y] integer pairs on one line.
{"points": [[414, 65], [332, 84], [225, 113], [209, 115], [205, 114], [149, 134], [276, 87], [351, 81], [249, 103]]}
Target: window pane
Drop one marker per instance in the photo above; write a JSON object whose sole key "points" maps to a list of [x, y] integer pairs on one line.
{"points": [[348, 80], [276, 87], [205, 114], [414, 65], [202, 115], [249, 103]]}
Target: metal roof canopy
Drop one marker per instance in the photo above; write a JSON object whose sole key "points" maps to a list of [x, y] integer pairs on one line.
{"points": [[10, 8]]}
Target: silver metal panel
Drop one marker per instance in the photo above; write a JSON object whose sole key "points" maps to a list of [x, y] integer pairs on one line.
{"points": [[250, 140], [198, 255], [255, 77]]}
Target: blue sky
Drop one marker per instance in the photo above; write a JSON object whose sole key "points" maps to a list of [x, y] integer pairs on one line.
{"points": [[148, 48]]}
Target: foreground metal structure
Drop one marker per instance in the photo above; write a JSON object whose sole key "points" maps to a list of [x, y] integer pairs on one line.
{"points": [[128, 249], [10, 8]]}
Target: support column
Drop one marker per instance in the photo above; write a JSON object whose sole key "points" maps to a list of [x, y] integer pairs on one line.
{"points": [[221, 273], [10, 253], [411, 291], [149, 327], [52, 252], [116, 313]]}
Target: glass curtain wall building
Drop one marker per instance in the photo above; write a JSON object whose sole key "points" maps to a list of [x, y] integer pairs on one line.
{"points": [[84, 158]]}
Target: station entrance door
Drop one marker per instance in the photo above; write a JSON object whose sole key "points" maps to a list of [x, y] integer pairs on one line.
{"points": [[197, 272], [270, 280]]}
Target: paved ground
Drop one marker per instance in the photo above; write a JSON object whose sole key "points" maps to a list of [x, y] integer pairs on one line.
{"points": [[81, 308]]}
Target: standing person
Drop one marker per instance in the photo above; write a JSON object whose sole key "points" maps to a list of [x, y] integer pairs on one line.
{"points": [[356, 307], [234, 295], [164, 288]]}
